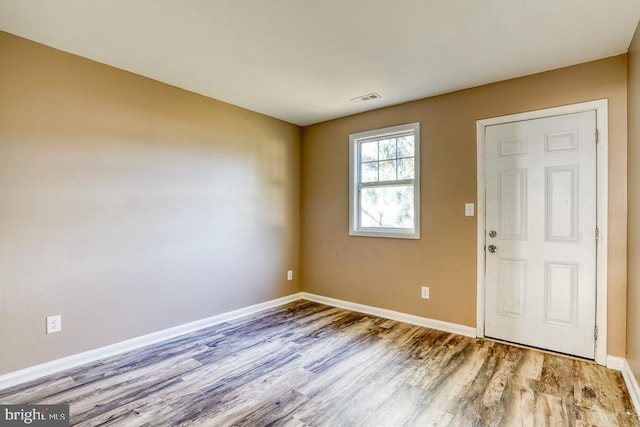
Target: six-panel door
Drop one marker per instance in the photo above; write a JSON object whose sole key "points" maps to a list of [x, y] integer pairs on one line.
{"points": [[541, 208]]}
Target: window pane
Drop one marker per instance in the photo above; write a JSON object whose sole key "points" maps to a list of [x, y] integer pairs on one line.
{"points": [[389, 207], [369, 151], [388, 170], [405, 168], [369, 172], [387, 149], [384, 176], [405, 146]]}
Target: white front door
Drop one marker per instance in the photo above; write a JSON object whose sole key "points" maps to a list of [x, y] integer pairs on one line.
{"points": [[541, 232]]}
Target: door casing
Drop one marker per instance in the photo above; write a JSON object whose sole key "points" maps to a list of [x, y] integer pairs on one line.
{"points": [[601, 109]]}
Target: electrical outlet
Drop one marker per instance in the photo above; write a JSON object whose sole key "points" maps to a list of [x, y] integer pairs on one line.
{"points": [[54, 324], [290, 275], [425, 292]]}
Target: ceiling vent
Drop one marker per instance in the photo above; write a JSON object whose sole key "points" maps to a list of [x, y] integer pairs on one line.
{"points": [[367, 97]]}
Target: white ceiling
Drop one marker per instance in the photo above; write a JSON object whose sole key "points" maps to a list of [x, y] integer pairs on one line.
{"points": [[302, 60]]}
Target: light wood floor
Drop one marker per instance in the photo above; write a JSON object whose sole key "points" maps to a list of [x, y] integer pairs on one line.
{"points": [[306, 364]]}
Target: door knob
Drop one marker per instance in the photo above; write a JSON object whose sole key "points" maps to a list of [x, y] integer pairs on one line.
{"points": [[493, 233], [492, 248]]}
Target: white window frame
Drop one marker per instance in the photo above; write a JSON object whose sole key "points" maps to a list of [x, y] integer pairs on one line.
{"points": [[354, 183]]}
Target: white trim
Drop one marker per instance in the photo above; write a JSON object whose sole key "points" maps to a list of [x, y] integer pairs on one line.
{"points": [[480, 230], [453, 328], [615, 362], [632, 385], [69, 362], [354, 183], [48, 368], [601, 109]]}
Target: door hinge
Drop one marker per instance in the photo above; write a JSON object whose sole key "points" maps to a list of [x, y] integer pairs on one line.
{"points": [[597, 234], [595, 333], [597, 136]]}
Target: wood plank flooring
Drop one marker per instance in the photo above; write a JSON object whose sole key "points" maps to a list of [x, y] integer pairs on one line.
{"points": [[307, 364]]}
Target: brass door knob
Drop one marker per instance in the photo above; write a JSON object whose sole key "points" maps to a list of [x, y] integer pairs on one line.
{"points": [[492, 248]]}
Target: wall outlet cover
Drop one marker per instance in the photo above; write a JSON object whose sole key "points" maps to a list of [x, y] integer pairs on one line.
{"points": [[54, 324]]}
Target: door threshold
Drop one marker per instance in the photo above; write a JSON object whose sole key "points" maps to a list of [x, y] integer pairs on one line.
{"points": [[541, 350]]}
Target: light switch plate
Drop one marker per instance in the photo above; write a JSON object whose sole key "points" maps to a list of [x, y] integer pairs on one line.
{"points": [[469, 209]]}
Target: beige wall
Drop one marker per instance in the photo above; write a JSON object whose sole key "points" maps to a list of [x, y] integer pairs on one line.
{"points": [[129, 206], [633, 294], [388, 273]]}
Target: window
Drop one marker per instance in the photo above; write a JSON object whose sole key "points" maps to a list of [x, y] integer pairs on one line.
{"points": [[384, 192]]}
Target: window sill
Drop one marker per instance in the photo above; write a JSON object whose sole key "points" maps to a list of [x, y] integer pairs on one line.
{"points": [[411, 235]]}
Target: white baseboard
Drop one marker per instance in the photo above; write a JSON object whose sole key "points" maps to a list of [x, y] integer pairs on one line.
{"points": [[615, 362], [48, 368], [632, 385], [453, 328]]}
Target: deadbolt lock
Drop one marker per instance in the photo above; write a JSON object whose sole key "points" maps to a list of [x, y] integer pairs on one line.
{"points": [[493, 233], [492, 248]]}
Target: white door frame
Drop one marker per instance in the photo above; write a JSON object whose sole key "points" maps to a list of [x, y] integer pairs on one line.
{"points": [[601, 109]]}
